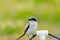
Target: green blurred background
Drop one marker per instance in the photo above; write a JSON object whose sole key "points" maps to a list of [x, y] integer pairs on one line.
{"points": [[14, 16]]}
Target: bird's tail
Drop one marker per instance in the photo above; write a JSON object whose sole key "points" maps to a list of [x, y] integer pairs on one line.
{"points": [[21, 36]]}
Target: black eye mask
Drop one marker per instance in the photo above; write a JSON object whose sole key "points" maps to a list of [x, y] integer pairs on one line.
{"points": [[33, 19]]}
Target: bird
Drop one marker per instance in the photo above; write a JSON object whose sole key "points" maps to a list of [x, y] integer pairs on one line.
{"points": [[30, 29]]}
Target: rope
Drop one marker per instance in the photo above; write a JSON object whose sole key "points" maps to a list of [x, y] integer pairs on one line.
{"points": [[54, 36]]}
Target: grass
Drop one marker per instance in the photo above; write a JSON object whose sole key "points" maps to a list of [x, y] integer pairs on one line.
{"points": [[14, 16]]}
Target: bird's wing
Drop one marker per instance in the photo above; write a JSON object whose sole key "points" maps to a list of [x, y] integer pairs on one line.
{"points": [[24, 32], [27, 27]]}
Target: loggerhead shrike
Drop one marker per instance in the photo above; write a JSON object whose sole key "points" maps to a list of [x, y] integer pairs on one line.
{"points": [[31, 28]]}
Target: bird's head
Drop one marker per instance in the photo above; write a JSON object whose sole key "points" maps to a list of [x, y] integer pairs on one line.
{"points": [[32, 19]]}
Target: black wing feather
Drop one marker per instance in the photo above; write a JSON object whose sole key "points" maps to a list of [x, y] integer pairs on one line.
{"points": [[24, 32], [27, 28]]}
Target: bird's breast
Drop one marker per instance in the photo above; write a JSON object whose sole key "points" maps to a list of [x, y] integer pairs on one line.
{"points": [[32, 28]]}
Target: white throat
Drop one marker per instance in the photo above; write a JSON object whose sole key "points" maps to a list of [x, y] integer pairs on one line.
{"points": [[31, 22]]}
